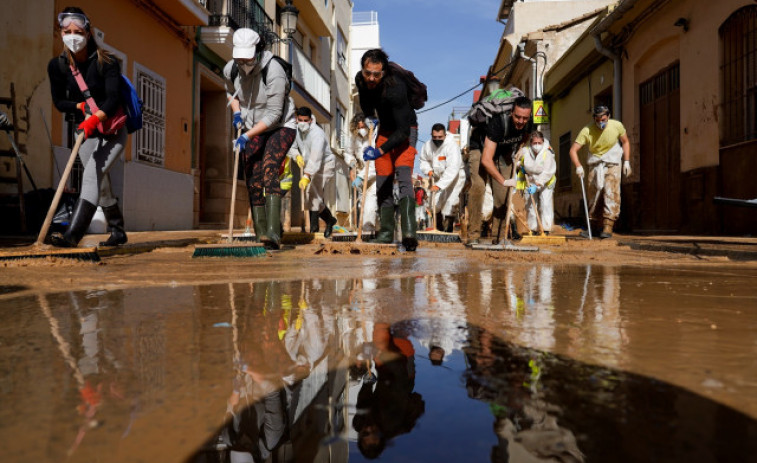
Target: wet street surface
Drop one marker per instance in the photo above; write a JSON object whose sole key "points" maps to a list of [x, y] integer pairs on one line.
{"points": [[436, 360]]}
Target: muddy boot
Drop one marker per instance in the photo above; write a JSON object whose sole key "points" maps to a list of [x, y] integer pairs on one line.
{"points": [[273, 221], [607, 229], [80, 220], [315, 226], [448, 225], [116, 223], [385, 234], [325, 214], [343, 219], [407, 220], [260, 223]]}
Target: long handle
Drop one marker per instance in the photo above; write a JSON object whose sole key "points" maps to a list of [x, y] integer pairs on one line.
{"points": [[59, 191], [536, 212], [433, 203], [359, 238], [230, 239], [21, 161], [305, 213], [586, 207], [508, 216]]}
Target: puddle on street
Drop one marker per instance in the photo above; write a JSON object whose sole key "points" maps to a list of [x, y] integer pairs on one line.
{"points": [[528, 364]]}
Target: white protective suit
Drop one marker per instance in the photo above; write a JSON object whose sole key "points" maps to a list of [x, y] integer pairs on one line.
{"points": [[351, 155], [319, 165], [446, 162], [540, 171]]}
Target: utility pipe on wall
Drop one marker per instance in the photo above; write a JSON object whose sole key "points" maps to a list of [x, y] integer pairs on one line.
{"points": [[616, 78], [534, 91]]}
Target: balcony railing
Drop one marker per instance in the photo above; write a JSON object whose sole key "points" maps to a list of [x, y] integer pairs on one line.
{"points": [[307, 76], [238, 13]]}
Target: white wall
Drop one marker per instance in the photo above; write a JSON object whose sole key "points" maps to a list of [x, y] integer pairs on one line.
{"points": [[156, 199]]}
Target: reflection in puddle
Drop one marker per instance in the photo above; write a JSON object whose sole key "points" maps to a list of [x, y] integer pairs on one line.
{"points": [[452, 367]]}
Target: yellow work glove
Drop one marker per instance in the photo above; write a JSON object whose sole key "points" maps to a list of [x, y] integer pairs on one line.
{"points": [[300, 161], [304, 182]]}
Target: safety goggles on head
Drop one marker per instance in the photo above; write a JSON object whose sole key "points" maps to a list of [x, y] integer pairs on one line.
{"points": [[80, 20]]}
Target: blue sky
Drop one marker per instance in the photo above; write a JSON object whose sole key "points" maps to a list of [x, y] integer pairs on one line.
{"points": [[448, 44]]}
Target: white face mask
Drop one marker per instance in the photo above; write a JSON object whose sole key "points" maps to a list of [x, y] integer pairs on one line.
{"points": [[536, 148], [303, 126], [602, 124], [75, 42], [363, 132]]}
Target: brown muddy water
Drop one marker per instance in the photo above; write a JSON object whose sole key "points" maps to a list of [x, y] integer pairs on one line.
{"points": [[527, 363]]}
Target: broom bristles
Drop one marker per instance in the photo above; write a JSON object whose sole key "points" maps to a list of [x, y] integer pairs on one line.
{"points": [[83, 254], [229, 250]]}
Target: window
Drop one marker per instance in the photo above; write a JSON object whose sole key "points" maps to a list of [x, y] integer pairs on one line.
{"points": [[564, 164], [151, 140], [341, 134], [739, 76], [341, 50]]}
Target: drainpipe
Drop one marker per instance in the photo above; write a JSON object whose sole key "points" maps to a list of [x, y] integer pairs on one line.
{"points": [[617, 77], [534, 86]]}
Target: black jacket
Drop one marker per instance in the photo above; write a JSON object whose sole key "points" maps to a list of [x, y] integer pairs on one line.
{"points": [[102, 80], [389, 100]]}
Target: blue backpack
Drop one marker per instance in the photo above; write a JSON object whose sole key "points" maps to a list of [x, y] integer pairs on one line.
{"points": [[132, 105], [130, 100]]}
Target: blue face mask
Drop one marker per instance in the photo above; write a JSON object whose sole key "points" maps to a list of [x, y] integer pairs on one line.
{"points": [[602, 124]]}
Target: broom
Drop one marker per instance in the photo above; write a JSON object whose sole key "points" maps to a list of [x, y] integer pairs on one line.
{"points": [[435, 235], [542, 238], [358, 238], [229, 249], [39, 249]]}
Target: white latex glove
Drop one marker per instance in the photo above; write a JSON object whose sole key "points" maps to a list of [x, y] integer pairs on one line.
{"points": [[580, 171], [627, 168]]}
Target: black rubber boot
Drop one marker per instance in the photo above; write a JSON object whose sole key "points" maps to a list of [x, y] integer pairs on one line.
{"points": [[407, 221], [260, 223], [330, 220], [448, 225], [385, 234], [315, 226], [80, 220], [116, 223], [273, 221]]}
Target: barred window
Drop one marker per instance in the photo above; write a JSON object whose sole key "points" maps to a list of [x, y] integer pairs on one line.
{"points": [[150, 143], [564, 163], [739, 76], [341, 129], [341, 49]]}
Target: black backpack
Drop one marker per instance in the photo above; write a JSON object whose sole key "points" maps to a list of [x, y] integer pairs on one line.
{"points": [[417, 93], [264, 72]]}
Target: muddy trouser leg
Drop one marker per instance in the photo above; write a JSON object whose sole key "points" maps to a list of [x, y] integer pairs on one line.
{"points": [[371, 204], [611, 194], [476, 195], [253, 169], [499, 193]]}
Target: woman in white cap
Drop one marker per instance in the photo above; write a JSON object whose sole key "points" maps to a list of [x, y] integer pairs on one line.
{"points": [[257, 87], [104, 142]]}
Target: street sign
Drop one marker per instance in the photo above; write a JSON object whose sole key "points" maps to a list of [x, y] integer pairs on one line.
{"points": [[540, 112]]}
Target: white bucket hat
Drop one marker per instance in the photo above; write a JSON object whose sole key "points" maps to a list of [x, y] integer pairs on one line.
{"points": [[245, 43]]}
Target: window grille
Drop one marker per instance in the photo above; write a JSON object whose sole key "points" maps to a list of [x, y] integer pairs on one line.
{"points": [[565, 164], [151, 139], [739, 76], [341, 50]]}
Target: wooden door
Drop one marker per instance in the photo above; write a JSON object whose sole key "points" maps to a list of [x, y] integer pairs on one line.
{"points": [[660, 151]]}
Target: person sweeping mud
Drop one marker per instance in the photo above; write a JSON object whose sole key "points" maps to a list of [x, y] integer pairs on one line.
{"points": [[607, 141], [317, 164], [257, 90], [99, 73], [385, 94], [353, 155], [505, 135], [442, 161]]}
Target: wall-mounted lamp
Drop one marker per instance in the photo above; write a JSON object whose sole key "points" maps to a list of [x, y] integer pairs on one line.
{"points": [[682, 22], [288, 18]]}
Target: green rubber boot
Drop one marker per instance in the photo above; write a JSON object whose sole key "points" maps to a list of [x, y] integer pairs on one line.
{"points": [[273, 221], [407, 219], [260, 223], [385, 234]]}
